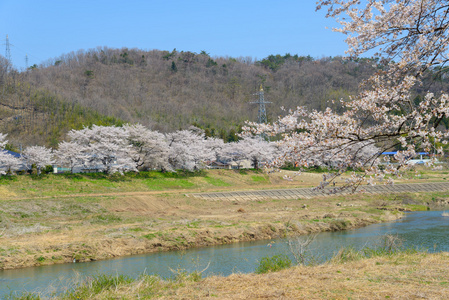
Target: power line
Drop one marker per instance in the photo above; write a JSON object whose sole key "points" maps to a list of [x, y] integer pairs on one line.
{"points": [[26, 52]]}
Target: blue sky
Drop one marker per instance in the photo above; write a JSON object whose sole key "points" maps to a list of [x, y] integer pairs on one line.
{"points": [[48, 28]]}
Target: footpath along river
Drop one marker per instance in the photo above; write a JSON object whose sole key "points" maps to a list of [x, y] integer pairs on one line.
{"points": [[427, 230]]}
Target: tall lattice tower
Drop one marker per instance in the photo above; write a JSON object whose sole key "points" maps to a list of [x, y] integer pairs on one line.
{"points": [[8, 54], [8, 50], [262, 116]]}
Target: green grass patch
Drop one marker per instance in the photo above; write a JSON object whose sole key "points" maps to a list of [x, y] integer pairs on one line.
{"points": [[417, 207], [137, 229], [24, 296], [74, 177], [107, 218], [149, 236], [216, 181], [98, 284], [273, 264], [194, 224], [168, 183], [158, 174], [259, 178], [8, 179], [53, 185]]}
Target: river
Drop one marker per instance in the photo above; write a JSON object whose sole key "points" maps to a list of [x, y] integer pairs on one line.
{"points": [[428, 230]]}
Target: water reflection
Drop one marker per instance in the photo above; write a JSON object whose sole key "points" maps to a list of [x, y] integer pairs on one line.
{"points": [[423, 229]]}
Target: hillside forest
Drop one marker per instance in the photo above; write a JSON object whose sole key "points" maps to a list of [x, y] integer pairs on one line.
{"points": [[171, 90]]}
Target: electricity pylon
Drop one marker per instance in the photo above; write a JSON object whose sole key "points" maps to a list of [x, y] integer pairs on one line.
{"points": [[8, 50], [262, 116]]}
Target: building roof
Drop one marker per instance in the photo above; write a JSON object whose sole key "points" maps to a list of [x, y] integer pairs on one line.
{"points": [[395, 152], [15, 154]]}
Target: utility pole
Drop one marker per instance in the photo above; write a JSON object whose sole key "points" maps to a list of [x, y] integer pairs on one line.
{"points": [[262, 115]]}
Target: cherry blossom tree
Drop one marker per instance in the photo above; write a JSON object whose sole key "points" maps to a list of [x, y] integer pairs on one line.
{"points": [[8, 162], [71, 154], [106, 147], [257, 150], [37, 156], [188, 151], [149, 148], [254, 149], [3, 140], [232, 152], [214, 147], [411, 39]]}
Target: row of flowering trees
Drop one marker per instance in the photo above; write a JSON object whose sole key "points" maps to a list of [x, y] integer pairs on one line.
{"points": [[134, 147]]}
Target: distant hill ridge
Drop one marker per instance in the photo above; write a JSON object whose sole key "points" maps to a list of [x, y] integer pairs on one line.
{"points": [[169, 90]]}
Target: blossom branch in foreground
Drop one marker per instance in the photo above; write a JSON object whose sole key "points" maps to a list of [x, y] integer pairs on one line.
{"points": [[411, 38]]}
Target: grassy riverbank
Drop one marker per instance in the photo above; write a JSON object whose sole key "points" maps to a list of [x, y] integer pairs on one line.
{"points": [[56, 219], [396, 275]]}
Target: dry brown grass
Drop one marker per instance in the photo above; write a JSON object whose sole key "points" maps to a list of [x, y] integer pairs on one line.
{"points": [[400, 276], [379, 278]]}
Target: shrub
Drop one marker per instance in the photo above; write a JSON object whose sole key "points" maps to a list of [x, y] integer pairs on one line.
{"points": [[273, 264], [47, 169], [7, 178]]}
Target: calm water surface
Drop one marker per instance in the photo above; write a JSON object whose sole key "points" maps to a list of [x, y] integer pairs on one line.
{"points": [[427, 230]]}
